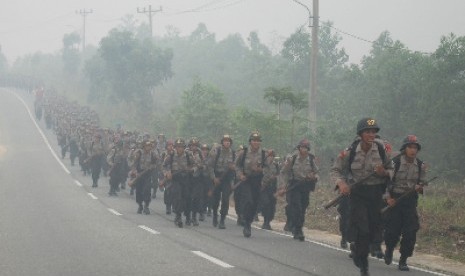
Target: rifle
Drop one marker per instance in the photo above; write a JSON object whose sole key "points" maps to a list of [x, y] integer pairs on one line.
{"points": [[407, 194], [336, 200], [291, 187], [133, 182]]}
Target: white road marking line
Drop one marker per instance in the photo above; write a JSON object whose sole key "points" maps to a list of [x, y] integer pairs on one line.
{"points": [[78, 183], [92, 196], [42, 134], [212, 259], [149, 229], [114, 212]]}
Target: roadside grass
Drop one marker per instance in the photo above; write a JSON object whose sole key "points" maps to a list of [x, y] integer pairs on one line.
{"points": [[441, 211]]}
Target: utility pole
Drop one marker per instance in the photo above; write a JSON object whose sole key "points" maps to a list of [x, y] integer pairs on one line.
{"points": [[84, 14], [149, 12], [312, 95]]}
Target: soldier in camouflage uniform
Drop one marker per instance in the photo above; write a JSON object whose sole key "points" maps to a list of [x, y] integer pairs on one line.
{"points": [[268, 190], [144, 163], [96, 156], [177, 168], [116, 160], [363, 164], [222, 170], [402, 217], [249, 169], [301, 174], [193, 206]]}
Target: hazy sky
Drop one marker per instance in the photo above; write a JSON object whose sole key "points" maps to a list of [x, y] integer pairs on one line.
{"points": [[27, 26]]}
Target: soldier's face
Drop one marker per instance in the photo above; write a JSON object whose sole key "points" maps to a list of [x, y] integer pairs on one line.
{"points": [[411, 150], [179, 149], [255, 144], [226, 143], [368, 136]]}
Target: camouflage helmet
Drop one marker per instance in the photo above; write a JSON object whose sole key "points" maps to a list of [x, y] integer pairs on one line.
{"points": [[255, 135], [367, 123], [226, 137], [304, 143], [194, 141], [410, 139], [179, 142]]}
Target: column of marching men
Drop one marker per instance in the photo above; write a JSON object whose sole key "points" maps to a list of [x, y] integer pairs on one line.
{"points": [[198, 180]]}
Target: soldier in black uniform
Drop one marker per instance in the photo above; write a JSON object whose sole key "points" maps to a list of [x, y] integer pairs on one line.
{"points": [[363, 164], [402, 217]]}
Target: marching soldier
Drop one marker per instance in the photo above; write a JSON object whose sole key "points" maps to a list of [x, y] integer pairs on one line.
{"points": [[402, 217], [268, 189], [165, 183], [301, 175], [144, 163], [222, 171], [96, 152], [206, 182], [363, 164], [177, 168], [249, 169], [195, 188], [116, 161]]}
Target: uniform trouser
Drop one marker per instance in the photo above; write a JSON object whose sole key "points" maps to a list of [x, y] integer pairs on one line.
{"points": [[195, 196], [96, 167], [143, 187], [221, 194], [167, 198], [365, 223], [154, 180], [402, 221], [268, 203], [250, 194], [180, 194], [116, 176], [299, 198], [237, 200], [344, 210], [206, 200]]}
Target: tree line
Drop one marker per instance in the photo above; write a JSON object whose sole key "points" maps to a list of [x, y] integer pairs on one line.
{"points": [[196, 85]]}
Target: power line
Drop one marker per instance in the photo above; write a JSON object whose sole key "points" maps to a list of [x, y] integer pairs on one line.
{"points": [[84, 14], [150, 12]]}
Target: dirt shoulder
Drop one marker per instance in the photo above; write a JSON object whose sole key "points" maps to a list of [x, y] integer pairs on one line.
{"points": [[418, 260]]}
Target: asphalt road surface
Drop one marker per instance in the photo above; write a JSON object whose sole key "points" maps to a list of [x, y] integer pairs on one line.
{"points": [[53, 223]]}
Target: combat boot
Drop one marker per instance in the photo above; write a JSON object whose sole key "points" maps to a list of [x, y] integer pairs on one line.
{"points": [[146, 209], [388, 255], [221, 225], [375, 250], [247, 231], [195, 222], [298, 234], [215, 219], [188, 220], [178, 221], [266, 225], [403, 264]]}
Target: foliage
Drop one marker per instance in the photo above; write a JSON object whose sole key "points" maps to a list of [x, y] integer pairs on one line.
{"points": [[71, 56]]}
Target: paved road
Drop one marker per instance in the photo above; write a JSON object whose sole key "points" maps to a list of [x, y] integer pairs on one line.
{"points": [[53, 223]]}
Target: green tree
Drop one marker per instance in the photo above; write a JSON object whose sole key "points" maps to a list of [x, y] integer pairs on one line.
{"points": [[70, 55], [203, 112], [3, 62]]}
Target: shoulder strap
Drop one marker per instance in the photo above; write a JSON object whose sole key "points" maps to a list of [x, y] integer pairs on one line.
{"points": [[218, 152], [244, 154], [420, 164], [353, 148]]}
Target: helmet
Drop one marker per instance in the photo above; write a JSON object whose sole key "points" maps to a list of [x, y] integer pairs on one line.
{"points": [[194, 141], [410, 139], [179, 142], [367, 123], [204, 146], [304, 143], [255, 135], [226, 137]]}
